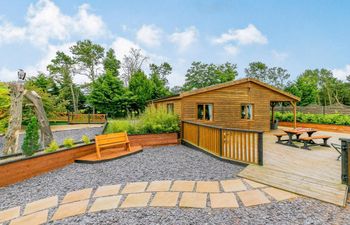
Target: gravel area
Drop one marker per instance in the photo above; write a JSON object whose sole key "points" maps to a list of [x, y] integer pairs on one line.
{"points": [[59, 136], [162, 163]]}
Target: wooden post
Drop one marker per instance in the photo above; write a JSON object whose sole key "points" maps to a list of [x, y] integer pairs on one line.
{"points": [[220, 141], [294, 104], [198, 135], [260, 149], [15, 122], [345, 160]]}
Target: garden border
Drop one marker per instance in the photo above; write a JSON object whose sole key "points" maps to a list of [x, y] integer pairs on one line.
{"points": [[324, 127]]}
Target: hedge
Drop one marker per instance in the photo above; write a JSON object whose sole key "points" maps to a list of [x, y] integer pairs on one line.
{"points": [[337, 119]]}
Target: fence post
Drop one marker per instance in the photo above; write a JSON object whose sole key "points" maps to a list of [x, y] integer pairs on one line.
{"points": [[197, 135], [68, 117], [344, 160], [89, 118], [260, 149], [220, 141], [182, 130]]}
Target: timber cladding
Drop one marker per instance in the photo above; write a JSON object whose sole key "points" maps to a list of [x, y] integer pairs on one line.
{"points": [[227, 102]]}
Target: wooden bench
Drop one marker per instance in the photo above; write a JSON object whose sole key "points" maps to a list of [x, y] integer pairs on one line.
{"points": [[110, 140], [309, 141], [279, 137]]}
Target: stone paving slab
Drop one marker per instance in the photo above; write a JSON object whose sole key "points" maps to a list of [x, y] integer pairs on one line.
{"points": [[70, 209], [136, 200], [223, 200], [32, 219], [253, 197], [193, 200], [105, 203], [165, 199], [107, 190], [254, 184], [77, 195], [41, 204], [208, 186], [233, 185], [159, 186], [134, 187], [278, 194], [9, 214], [183, 185]]}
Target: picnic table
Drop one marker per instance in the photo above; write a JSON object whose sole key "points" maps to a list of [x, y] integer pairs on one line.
{"points": [[297, 132]]}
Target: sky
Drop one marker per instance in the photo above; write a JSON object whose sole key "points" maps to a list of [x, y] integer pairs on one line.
{"points": [[295, 35]]}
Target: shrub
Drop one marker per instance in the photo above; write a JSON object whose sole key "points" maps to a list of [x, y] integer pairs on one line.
{"points": [[68, 142], [31, 138], [85, 139], [152, 121], [337, 119], [52, 147]]}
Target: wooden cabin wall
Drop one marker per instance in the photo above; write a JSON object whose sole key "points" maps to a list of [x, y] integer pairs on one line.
{"points": [[177, 105], [227, 106]]}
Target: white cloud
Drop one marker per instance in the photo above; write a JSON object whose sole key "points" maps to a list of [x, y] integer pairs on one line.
{"points": [[231, 49], [342, 73], [279, 56], [184, 39], [7, 74], [45, 22], [248, 35], [122, 47], [149, 35]]}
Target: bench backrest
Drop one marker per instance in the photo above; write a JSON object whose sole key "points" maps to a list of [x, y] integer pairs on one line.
{"points": [[109, 139]]}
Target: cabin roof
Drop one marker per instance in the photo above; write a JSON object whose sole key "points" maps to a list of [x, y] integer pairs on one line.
{"points": [[228, 84]]}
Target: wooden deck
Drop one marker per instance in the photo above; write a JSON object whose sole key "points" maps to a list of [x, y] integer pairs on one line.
{"points": [[109, 154], [315, 173]]}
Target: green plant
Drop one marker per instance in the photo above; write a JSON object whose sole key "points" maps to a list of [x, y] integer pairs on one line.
{"points": [[31, 138], [52, 147], [85, 139], [68, 142]]}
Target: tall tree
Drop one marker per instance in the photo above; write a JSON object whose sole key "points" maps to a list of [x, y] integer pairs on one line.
{"points": [[88, 58], [159, 80], [110, 63], [140, 85], [62, 70], [257, 70], [201, 75], [132, 63]]}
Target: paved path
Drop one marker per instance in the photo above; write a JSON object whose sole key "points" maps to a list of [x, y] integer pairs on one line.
{"points": [[233, 193]]}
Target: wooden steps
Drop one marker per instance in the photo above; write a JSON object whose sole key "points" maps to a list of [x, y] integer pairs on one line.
{"points": [[326, 191], [109, 154]]}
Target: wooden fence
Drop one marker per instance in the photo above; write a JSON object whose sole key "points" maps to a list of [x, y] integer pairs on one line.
{"points": [[233, 144], [317, 109], [76, 118]]}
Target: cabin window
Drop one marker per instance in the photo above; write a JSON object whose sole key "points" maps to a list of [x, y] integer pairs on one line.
{"points": [[170, 108], [205, 112], [247, 111]]}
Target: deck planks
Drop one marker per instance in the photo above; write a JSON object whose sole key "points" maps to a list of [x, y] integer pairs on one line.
{"points": [[315, 173]]}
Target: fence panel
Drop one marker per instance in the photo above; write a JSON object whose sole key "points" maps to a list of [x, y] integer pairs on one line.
{"points": [[233, 144]]}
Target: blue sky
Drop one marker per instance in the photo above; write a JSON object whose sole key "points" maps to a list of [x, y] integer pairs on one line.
{"points": [[295, 35]]}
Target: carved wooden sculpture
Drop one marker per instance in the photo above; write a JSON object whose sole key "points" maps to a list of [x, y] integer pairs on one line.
{"points": [[17, 92]]}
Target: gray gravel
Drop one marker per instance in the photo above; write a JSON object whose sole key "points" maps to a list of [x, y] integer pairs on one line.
{"points": [[173, 162], [59, 136]]}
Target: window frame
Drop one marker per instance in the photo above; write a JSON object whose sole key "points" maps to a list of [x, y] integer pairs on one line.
{"points": [[172, 108], [204, 106], [245, 105]]}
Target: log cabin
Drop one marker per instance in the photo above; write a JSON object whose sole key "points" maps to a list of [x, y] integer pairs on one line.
{"points": [[245, 104]]}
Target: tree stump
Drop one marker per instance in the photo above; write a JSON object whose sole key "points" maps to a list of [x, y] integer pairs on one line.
{"points": [[11, 137]]}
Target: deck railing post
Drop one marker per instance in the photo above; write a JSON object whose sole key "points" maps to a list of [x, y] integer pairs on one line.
{"points": [[260, 149], [344, 161], [182, 130], [220, 141], [197, 135]]}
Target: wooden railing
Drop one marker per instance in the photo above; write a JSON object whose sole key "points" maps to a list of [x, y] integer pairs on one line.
{"points": [[75, 118], [345, 165], [228, 143]]}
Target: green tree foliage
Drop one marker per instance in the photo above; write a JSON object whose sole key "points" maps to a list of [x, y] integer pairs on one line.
{"points": [[4, 107], [88, 58], [158, 78], [202, 75], [111, 64], [276, 76], [141, 87], [31, 138]]}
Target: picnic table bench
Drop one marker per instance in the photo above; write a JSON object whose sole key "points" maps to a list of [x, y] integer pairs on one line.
{"points": [[309, 141]]}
